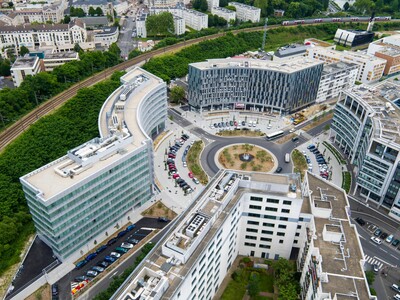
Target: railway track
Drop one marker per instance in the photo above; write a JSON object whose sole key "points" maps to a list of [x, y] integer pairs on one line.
{"points": [[12, 132]]}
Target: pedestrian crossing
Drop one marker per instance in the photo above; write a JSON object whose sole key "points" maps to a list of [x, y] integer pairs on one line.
{"points": [[373, 261]]}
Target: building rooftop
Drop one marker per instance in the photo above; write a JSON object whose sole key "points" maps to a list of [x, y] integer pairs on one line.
{"points": [[94, 21], [354, 56], [285, 66], [390, 50], [106, 30], [25, 62], [223, 9], [189, 236], [120, 133], [291, 50], [340, 253], [195, 12], [338, 67], [244, 6], [89, 2], [58, 55], [317, 42], [385, 115]]}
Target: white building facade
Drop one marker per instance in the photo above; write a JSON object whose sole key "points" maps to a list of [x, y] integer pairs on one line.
{"points": [[24, 66], [106, 36], [179, 25], [83, 197], [246, 12], [370, 67], [141, 25], [227, 14], [336, 78]]}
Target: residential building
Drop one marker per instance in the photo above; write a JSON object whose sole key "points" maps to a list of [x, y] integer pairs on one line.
{"points": [[179, 25], [251, 84], [366, 127], [106, 36], [141, 25], [81, 198], [161, 3], [387, 48], [279, 12], [211, 4], [370, 67], [256, 215], [53, 60], [24, 66], [104, 5], [353, 38], [246, 12], [94, 22], [57, 37], [145, 46], [227, 14], [336, 78]]}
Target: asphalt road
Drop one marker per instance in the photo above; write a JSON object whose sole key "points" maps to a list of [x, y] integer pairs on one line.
{"points": [[138, 233], [125, 42]]}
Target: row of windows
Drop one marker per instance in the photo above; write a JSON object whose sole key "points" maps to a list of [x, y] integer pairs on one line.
{"points": [[269, 200]]}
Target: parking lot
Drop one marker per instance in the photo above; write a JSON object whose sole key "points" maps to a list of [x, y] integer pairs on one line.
{"points": [[80, 275]]}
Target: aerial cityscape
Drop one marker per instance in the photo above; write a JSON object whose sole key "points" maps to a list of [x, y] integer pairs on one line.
{"points": [[204, 149]]}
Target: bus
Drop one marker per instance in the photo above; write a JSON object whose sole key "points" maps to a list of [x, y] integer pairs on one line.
{"points": [[274, 135]]}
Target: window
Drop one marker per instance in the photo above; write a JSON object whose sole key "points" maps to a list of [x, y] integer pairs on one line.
{"points": [[271, 209], [253, 222], [280, 233], [250, 244], [295, 242], [272, 200], [301, 219], [280, 241], [267, 232], [254, 215], [284, 219], [255, 207], [265, 246], [250, 237], [259, 199], [269, 217], [287, 202], [282, 226], [286, 211], [298, 226], [266, 239], [251, 230], [297, 234], [268, 224]]}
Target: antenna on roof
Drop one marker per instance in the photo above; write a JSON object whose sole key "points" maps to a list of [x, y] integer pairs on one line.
{"points": [[265, 35]]}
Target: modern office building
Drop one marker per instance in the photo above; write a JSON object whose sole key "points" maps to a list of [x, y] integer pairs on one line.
{"points": [[53, 60], [370, 67], [227, 14], [251, 84], [81, 198], [353, 38], [366, 127], [336, 78], [256, 215], [387, 48], [24, 66], [246, 12]]}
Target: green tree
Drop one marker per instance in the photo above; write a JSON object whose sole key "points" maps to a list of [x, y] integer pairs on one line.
{"points": [[177, 94], [77, 12], [99, 11], [67, 19], [364, 6], [200, 5], [263, 5], [288, 291], [160, 25], [134, 53], [223, 3], [23, 50], [230, 7], [77, 48], [370, 277], [5, 66], [115, 49], [92, 11], [346, 6], [254, 284]]}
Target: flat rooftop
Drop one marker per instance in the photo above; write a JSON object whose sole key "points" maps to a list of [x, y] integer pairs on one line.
{"points": [[244, 6], [285, 66], [119, 130], [190, 235], [58, 55], [340, 261], [386, 115], [319, 43], [25, 62], [338, 67], [354, 56]]}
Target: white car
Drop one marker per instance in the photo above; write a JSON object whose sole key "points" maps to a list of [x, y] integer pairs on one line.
{"points": [[184, 164], [397, 297], [127, 245], [115, 254], [389, 239], [376, 240], [292, 130]]}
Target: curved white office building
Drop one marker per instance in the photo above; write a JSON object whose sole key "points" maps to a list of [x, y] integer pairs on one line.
{"points": [[251, 84], [81, 198]]}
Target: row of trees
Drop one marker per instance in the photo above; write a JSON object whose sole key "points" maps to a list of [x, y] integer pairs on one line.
{"points": [[160, 25], [79, 12], [378, 6], [36, 89], [46, 140]]}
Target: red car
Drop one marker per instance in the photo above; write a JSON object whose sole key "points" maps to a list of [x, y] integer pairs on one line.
{"points": [[175, 176], [191, 175]]}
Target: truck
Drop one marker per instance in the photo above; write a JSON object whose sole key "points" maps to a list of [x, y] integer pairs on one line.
{"points": [[287, 157]]}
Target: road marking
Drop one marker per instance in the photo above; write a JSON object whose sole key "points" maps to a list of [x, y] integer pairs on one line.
{"points": [[373, 261], [362, 237], [114, 274], [384, 250], [393, 256], [383, 261]]}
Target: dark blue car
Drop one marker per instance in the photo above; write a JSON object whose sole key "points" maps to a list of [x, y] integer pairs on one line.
{"points": [[122, 233], [101, 249], [130, 227], [80, 264], [109, 259], [91, 256]]}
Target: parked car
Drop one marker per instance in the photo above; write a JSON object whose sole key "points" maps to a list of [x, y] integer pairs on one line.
{"points": [[195, 180], [101, 249], [122, 233], [109, 259], [133, 241], [396, 297], [309, 147], [376, 240], [115, 254], [103, 264], [81, 278], [121, 250], [278, 170], [98, 269], [175, 176], [395, 242], [54, 289], [130, 227], [376, 268], [112, 241], [91, 256], [296, 138], [389, 239], [126, 245], [91, 273], [80, 264], [162, 219], [190, 174], [360, 221], [384, 236], [395, 287]]}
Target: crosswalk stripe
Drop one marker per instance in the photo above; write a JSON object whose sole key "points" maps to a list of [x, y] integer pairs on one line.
{"points": [[373, 261]]}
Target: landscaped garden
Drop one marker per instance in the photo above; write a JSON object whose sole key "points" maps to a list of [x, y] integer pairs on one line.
{"points": [[246, 157]]}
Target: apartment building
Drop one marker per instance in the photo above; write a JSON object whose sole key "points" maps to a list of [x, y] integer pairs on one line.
{"points": [[161, 3], [53, 60], [141, 25], [336, 78], [246, 12], [227, 14], [106, 36], [211, 4], [258, 215], [387, 48], [81, 198], [179, 25], [251, 84], [56, 37], [366, 128], [24, 66], [370, 67]]}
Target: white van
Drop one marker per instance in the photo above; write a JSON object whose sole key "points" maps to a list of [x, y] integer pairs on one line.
{"points": [[287, 157]]}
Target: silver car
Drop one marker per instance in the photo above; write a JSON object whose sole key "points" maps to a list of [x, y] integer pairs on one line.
{"points": [[127, 245]]}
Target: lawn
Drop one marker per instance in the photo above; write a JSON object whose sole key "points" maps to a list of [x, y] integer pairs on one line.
{"points": [[299, 162], [194, 162]]}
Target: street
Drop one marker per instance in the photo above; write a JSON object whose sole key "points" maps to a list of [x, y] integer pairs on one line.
{"points": [[125, 42]]}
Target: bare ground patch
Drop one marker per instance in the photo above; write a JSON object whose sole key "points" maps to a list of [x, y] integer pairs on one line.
{"points": [[158, 209]]}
